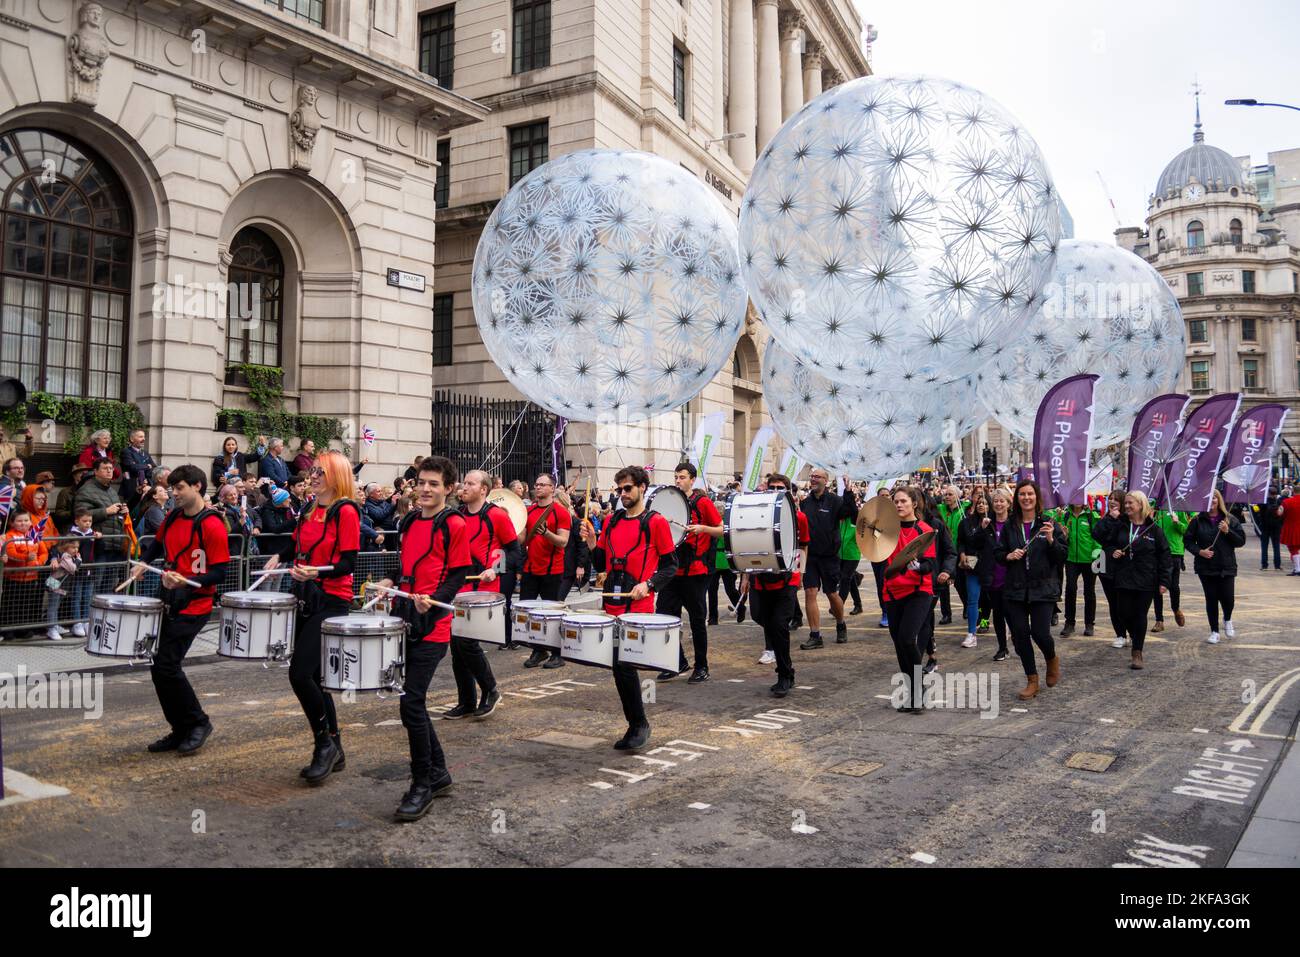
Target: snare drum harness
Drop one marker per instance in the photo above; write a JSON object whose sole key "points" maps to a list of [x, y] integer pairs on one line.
{"points": [[485, 523], [449, 583], [616, 566], [175, 600], [311, 594]]}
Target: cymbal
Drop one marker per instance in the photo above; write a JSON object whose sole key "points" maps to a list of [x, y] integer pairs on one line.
{"points": [[878, 529], [513, 505], [911, 551]]}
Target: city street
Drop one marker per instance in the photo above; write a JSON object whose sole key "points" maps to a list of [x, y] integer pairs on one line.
{"points": [[829, 776]]}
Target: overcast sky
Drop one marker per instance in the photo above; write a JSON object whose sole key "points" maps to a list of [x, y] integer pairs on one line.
{"points": [[1106, 85]]}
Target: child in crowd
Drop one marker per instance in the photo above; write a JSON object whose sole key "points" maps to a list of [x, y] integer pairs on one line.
{"points": [[21, 598]]}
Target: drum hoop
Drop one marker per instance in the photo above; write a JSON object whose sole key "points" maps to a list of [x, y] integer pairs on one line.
{"points": [[135, 603]]}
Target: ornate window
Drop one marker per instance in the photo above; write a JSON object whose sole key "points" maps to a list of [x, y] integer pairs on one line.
{"points": [[1250, 373], [255, 299], [65, 271], [1234, 232], [1195, 234]]}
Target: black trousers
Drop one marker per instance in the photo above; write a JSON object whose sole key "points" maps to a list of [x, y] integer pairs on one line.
{"points": [[773, 610], [993, 607], [472, 671], [849, 581], [878, 572], [728, 579], [180, 705], [628, 683], [566, 585], [508, 589], [1031, 624], [304, 667], [1108, 587], [906, 620], [1219, 592], [1134, 606], [926, 638], [427, 759], [1273, 535], [1072, 572], [1175, 592], [687, 591], [545, 587]]}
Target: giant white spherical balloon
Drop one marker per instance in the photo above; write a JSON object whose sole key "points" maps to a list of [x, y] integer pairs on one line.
{"points": [[868, 431], [899, 226], [606, 282], [1105, 311]]}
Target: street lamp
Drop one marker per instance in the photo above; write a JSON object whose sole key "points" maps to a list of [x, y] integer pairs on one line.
{"points": [[1284, 106], [723, 139]]}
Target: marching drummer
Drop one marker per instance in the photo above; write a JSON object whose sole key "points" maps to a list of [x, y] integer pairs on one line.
{"points": [[193, 542], [435, 559], [635, 550], [492, 545], [548, 533]]}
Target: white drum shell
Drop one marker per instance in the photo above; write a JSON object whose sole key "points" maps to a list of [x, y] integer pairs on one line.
{"points": [[544, 628], [670, 502], [652, 642], [521, 609], [258, 628], [362, 653], [589, 639], [479, 616], [760, 532], [123, 626]]}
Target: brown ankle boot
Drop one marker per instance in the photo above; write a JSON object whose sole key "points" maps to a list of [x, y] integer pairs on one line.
{"points": [[1137, 661], [1031, 688], [1053, 671]]}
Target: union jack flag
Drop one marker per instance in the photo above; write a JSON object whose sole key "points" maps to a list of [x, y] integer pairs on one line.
{"points": [[6, 499], [37, 532], [368, 435]]}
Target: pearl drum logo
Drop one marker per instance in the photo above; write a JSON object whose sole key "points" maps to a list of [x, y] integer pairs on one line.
{"points": [[351, 661], [334, 661]]}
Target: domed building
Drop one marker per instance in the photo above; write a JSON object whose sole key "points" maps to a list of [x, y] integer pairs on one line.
{"points": [[1229, 256]]}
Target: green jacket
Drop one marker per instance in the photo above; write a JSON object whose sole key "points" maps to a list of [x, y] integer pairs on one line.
{"points": [[1175, 527], [1082, 547], [952, 518], [849, 551]]}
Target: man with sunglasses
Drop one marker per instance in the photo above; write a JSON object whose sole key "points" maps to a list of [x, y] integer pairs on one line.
{"points": [[635, 550], [546, 533]]}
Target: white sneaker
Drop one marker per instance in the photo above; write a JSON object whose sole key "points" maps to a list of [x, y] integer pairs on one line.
{"points": [[768, 658], [53, 634], [1228, 630], [969, 642], [62, 630], [1214, 638], [1119, 642], [79, 629]]}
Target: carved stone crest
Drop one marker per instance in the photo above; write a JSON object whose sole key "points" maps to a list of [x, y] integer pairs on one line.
{"points": [[87, 51], [304, 124]]}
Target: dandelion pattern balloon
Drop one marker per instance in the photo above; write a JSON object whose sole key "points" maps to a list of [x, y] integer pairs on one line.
{"points": [[1105, 311], [866, 431], [607, 283], [898, 225]]}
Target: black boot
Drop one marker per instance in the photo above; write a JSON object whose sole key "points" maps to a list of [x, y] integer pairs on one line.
{"points": [[417, 801], [814, 642], [323, 759], [338, 765]]}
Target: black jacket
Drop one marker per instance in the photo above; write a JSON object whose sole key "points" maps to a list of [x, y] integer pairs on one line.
{"points": [[137, 472], [277, 528], [1037, 576], [1147, 565], [1104, 532], [945, 552], [240, 462], [1267, 517], [974, 539], [824, 516], [1201, 533]]}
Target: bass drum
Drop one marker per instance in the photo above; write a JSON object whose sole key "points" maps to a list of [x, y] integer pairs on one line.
{"points": [[760, 532], [670, 502]]}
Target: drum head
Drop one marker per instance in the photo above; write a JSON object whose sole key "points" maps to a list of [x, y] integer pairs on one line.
{"points": [[479, 598], [670, 502], [126, 602], [786, 522], [650, 620], [258, 599], [587, 619], [362, 624]]}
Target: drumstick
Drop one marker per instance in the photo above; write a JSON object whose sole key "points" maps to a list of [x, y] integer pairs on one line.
{"points": [[159, 572], [264, 575], [407, 594]]}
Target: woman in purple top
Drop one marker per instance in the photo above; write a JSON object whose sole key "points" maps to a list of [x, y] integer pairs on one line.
{"points": [[1000, 500]]}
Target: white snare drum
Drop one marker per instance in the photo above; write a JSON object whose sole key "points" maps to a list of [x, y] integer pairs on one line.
{"points": [[588, 639], [257, 625], [362, 653], [479, 616], [521, 609], [760, 532], [670, 502], [544, 627], [652, 642], [124, 626]]}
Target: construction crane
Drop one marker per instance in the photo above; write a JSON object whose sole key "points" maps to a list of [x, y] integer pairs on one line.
{"points": [[1106, 189]]}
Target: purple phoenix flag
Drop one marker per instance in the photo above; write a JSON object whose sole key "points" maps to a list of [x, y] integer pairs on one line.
{"points": [[1196, 457], [1062, 432], [1155, 431], [1249, 462], [557, 446]]}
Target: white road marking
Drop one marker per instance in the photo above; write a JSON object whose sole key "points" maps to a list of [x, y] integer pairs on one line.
{"points": [[357, 724], [253, 702], [803, 687], [1266, 700], [1020, 711], [884, 697], [212, 694], [1200, 730], [698, 806], [736, 681], [1106, 720], [601, 785], [803, 829], [924, 858], [388, 723]]}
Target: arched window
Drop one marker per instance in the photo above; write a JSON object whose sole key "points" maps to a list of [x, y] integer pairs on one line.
{"points": [[65, 271], [1195, 234], [1160, 241], [254, 299], [1234, 232]]}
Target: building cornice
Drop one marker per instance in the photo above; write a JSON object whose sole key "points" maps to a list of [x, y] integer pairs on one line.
{"points": [[849, 44]]}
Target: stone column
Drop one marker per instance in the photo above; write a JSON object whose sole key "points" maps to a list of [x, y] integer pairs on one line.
{"points": [[741, 116], [812, 71], [719, 85], [769, 73], [792, 25]]}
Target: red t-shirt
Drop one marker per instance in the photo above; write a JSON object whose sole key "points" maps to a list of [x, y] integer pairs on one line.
{"points": [[488, 530], [900, 586], [543, 557], [640, 552], [325, 542], [703, 512], [776, 582], [426, 568], [182, 540]]}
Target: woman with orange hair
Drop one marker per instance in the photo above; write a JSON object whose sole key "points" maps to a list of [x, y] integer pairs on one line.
{"points": [[328, 534]]}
